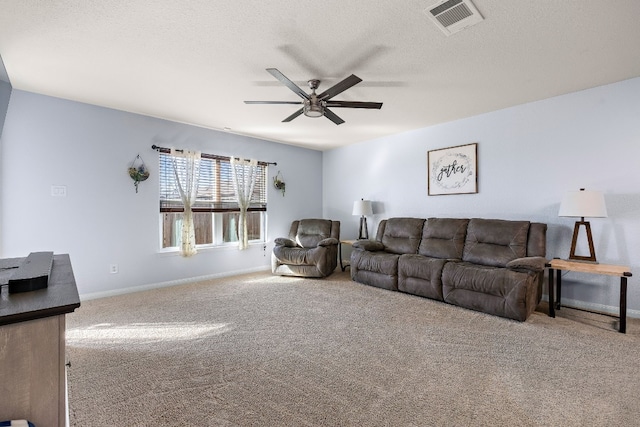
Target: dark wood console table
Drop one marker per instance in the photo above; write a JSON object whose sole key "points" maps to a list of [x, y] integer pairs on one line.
{"points": [[32, 347]]}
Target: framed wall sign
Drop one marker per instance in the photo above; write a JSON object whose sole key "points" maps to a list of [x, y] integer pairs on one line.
{"points": [[453, 170]]}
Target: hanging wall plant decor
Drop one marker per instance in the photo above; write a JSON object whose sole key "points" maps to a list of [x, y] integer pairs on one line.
{"points": [[138, 171], [278, 183]]}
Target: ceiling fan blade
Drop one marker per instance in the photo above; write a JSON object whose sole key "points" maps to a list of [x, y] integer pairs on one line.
{"points": [[273, 102], [339, 87], [293, 116], [288, 83], [333, 117], [354, 104]]}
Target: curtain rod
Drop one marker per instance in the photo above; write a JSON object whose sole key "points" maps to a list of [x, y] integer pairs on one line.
{"points": [[206, 156]]}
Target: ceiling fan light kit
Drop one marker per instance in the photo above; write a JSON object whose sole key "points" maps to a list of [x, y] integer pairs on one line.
{"points": [[314, 105], [313, 110]]}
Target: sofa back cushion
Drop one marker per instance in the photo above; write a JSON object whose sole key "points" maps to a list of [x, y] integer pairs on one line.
{"points": [[401, 235], [309, 232], [443, 238], [495, 242], [537, 241]]}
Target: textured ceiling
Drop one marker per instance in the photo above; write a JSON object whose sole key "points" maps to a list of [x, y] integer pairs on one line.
{"points": [[196, 61]]}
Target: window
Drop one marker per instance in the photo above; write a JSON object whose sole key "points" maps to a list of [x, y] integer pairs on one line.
{"points": [[215, 212]]}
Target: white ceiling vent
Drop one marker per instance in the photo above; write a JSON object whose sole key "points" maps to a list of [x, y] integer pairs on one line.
{"points": [[452, 16]]}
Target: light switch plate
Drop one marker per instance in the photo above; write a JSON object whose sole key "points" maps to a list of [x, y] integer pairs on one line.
{"points": [[59, 190]]}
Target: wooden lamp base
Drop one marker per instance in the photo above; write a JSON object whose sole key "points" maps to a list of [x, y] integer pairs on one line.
{"points": [[592, 251], [363, 233]]}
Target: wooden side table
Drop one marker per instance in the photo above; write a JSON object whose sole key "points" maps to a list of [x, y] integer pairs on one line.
{"points": [[343, 265], [557, 265]]}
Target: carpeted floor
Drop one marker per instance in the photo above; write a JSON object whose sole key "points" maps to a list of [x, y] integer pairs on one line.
{"points": [[259, 350]]}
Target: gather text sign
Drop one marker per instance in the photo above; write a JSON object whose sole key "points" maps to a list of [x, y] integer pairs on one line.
{"points": [[453, 170]]}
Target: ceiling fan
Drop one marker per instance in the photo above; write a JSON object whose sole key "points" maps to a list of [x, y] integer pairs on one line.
{"points": [[314, 105]]}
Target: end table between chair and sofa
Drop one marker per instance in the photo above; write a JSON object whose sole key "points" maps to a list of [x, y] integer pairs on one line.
{"points": [[343, 265]]}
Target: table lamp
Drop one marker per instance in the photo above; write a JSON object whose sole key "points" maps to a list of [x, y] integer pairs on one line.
{"points": [[363, 208], [583, 204]]}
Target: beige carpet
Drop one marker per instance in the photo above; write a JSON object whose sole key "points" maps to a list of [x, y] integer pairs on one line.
{"points": [[259, 350]]}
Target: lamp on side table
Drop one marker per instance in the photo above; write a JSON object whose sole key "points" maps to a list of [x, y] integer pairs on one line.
{"points": [[583, 204], [363, 208]]}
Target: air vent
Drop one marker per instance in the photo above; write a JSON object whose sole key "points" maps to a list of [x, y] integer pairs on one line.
{"points": [[452, 16]]}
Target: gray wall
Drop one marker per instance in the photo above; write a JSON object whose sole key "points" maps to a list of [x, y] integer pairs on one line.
{"points": [[5, 95], [528, 157], [102, 221]]}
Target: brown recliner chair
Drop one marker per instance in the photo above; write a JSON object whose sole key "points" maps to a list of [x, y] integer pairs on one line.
{"points": [[310, 251]]}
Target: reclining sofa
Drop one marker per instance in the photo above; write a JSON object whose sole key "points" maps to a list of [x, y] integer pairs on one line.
{"points": [[489, 265]]}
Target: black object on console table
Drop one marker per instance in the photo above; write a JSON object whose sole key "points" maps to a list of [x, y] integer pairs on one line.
{"points": [[33, 273], [59, 297]]}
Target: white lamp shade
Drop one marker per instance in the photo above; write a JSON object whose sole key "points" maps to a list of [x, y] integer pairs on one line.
{"points": [[362, 208], [583, 204]]}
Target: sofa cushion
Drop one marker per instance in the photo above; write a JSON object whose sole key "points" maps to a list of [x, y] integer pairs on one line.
{"points": [[420, 275], [495, 242], [368, 245], [402, 235], [375, 268], [283, 241], [297, 270], [378, 262], [443, 238], [493, 290], [537, 240], [535, 264], [294, 255], [312, 231]]}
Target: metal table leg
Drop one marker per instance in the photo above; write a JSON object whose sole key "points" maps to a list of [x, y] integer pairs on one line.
{"points": [[623, 304], [558, 289], [343, 267], [550, 291]]}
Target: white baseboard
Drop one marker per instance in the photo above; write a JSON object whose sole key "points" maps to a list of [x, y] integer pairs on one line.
{"points": [[613, 310], [122, 291]]}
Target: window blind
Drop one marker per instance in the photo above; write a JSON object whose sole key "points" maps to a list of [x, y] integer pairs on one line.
{"points": [[215, 191]]}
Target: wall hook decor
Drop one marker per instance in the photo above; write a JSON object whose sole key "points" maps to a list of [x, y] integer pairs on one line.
{"points": [[278, 182], [138, 171]]}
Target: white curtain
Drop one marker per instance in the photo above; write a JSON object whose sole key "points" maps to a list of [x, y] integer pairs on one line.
{"points": [[186, 166], [244, 173]]}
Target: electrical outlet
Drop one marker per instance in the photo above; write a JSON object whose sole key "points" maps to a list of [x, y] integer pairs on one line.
{"points": [[113, 269]]}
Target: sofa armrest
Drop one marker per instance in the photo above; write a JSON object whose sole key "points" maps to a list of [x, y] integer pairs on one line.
{"points": [[368, 245], [283, 241], [532, 263], [328, 241]]}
